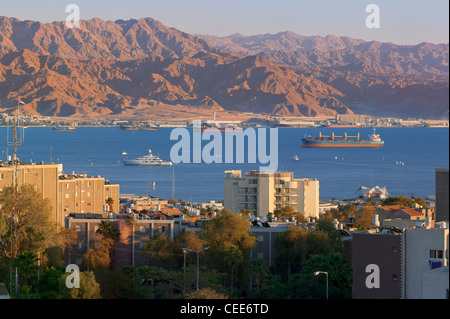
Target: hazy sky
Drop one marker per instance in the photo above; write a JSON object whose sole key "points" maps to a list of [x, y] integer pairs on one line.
{"points": [[402, 21]]}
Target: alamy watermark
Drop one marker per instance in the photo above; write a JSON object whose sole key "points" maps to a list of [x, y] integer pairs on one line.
{"points": [[73, 279], [373, 19], [73, 19], [221, 148]]}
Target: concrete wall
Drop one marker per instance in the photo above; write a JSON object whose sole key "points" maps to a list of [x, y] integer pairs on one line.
{"points": [[419, 242]]}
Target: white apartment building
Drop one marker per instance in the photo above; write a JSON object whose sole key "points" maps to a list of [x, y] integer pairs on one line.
{"points": [[266, 192], [426, 249]]}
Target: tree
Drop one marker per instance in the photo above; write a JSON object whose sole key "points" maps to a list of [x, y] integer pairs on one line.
{"points": [[110, 201], [206, 293], [49, 286], [364, 218], [89, 288], [160, 248], [289, 212], [108, 230], [233, 257], [257, 270], [227, 231], [228, 240], [35, 231], [99, 257], [26, 266], [404, 201]]}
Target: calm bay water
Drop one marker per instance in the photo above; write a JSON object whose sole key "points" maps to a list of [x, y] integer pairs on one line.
{"points": [[97, 151]]}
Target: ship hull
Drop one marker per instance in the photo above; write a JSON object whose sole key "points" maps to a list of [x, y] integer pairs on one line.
{"points": [[312, 143]]}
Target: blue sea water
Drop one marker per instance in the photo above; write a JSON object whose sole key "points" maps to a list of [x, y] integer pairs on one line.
{"points": [[340, 171]]}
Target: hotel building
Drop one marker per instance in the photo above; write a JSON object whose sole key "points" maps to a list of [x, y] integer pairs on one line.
{"points": [[263, 193]]}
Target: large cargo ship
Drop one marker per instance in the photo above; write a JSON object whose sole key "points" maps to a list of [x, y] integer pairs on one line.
{"points": [[343, 141]]}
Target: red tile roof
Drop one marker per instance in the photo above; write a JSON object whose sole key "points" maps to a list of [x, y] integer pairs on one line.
{"points": [[171, 211], [412, 212]]}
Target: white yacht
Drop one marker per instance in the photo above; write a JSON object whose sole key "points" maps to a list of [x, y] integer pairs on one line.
{"points": [[148, 160]]}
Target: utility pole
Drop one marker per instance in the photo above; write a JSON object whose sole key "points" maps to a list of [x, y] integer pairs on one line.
{"points": [[16, 141]]}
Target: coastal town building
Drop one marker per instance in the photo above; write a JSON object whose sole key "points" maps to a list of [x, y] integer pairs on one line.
{"points": [[134, 230], [378, 193], [267, 192], [390, 263], [415, 213], [442, 189], [266, 234], [67, 193]]}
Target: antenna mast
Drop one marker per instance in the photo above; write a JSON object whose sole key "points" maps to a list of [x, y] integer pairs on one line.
{"points": [[16, 141]]}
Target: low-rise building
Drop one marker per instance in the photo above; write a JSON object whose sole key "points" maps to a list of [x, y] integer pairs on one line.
{"points": [[378, 193]]}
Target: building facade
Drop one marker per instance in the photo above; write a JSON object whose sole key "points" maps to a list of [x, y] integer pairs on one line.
{"points": [[264, 193], [128, 250], [67, 193], [403, 261], [385, 252]]}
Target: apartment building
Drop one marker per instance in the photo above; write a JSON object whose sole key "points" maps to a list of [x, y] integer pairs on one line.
{"points": [[67, 193], [266, 192], [405, 263], [129, 249]]}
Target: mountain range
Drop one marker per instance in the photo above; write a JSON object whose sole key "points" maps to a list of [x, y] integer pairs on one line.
{"points": [[122, 68]]}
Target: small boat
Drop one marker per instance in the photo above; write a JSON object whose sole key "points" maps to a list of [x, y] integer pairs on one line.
{"points": [[148, 160], [295, 158], [128, 127], [64, 128], [124, 153]]}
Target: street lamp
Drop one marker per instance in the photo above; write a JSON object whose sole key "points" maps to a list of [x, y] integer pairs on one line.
{"points": [[316, 273], [198, 254]]}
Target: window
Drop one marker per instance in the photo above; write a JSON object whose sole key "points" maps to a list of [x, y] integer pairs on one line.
{"points": [[1, 175], [394, 277], [88, 194], [67, 185], [95, 228], [35, 173], [143, 229], [67, 206], [260, 238], [141, 245], [67, 195], [79, 228], [80, 245], [438, 254], [394, 249]]}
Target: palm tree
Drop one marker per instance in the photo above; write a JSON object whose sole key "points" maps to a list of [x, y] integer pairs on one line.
{"points": [[110, 202], [26, 265], [108, 230], [234, 257], [257, 269]]}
